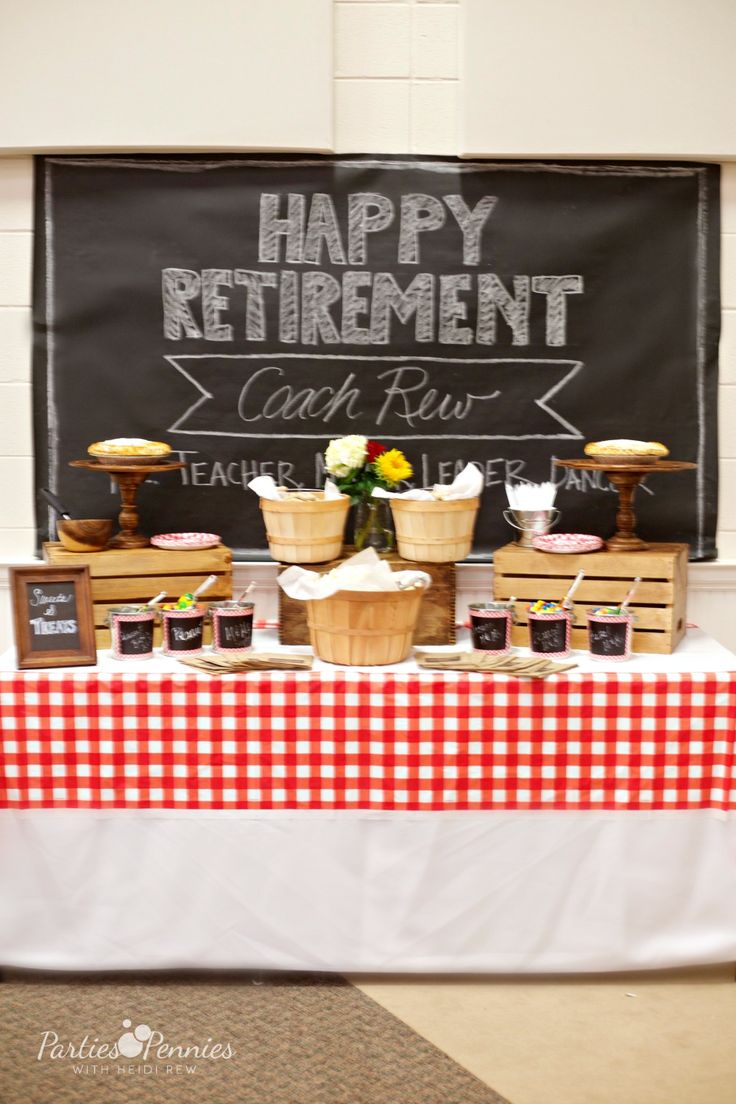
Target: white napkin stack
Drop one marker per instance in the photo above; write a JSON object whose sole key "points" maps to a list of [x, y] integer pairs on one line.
{"points": [[364, 571], [265, 487], [468, 484], [531, 496]]}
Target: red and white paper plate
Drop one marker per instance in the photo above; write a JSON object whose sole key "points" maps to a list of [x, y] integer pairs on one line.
{"points": [[567, 542], [182, 542]]}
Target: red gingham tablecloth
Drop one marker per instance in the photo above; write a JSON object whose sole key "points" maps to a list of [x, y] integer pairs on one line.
{"points": [[362, 740]]}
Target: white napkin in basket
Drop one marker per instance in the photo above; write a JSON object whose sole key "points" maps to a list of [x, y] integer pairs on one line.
{"points": [[364, 571], [265, 487], [467, 484]]}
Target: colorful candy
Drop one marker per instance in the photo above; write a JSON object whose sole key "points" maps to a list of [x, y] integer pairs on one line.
{"points": [[540, 606], [607, 611], [187, 601]]}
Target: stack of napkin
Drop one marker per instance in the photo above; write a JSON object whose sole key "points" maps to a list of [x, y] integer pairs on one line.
{"points": [[468, 484], [364, 571], [265, 487]]}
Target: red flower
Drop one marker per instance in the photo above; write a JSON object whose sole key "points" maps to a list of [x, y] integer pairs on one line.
{"points": [[374, 449]]}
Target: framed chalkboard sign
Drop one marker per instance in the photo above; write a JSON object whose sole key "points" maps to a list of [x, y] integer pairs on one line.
{"points": [[52, 615]]}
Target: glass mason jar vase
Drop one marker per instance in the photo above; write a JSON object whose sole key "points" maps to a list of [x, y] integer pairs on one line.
{"points": [[374, 526]]}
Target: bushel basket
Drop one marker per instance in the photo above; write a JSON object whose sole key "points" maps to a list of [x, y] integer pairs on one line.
{"points": [[364, 628], [300, 531], [434, 532]]}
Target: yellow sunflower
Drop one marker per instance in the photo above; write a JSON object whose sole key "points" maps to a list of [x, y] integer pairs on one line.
{"points": [[392, 466]]}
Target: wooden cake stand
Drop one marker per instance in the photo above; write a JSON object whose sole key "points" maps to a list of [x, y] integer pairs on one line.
{"points": [[129, 478], [626, 478]]}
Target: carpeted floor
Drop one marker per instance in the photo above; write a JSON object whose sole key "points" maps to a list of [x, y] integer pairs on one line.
{"points": [[296, 1039]]}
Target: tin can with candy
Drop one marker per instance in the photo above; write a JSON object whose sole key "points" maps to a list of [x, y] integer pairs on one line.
{"points": [[131, 632], [550, 628], [183, 631], [232, 627], [609, 634], [490, 627]]}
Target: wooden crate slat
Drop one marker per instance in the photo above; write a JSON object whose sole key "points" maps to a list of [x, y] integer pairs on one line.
{"points": [[659, 604], [590, 590], [137, 588], [656, 563], [143, 561]]}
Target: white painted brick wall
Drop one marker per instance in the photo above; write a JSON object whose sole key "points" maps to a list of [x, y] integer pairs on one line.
{"points": [[396, 76], [16, 442]]}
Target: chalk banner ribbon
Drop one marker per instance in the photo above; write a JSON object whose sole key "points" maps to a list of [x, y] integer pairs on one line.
{"points": [[405, 398]]}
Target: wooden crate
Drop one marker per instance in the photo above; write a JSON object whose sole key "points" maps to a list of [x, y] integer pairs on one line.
{"points": [[658, 604], [436, 623], [123, 576]]}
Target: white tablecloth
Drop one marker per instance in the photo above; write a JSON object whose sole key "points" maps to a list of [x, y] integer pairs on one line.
{"points": [[455, 891]]}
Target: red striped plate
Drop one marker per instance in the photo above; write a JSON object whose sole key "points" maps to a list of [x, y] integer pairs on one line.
{"points": [[182, 542], [567, 542]]}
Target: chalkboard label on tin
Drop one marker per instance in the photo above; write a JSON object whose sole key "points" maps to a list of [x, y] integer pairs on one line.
{"points": [[185, 633], [235, 632], [489, 632], [608, 638], [548, 636], [52, 616], [135, 637]]}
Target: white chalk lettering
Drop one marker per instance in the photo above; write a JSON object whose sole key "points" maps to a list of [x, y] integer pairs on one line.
{"points": [[556, 288], [451, 309], [432, 403], [271, 228], [52, 628], [493, 297], [319, 292], [213, 303], [255, 312], [289, 308], [287, 403], [322, 229], [178, 285], [354, 305], [471, 223], [419, 214], [418, 299], [362, 308], [368, 212]]}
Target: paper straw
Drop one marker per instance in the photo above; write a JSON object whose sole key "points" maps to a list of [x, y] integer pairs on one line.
{"points": [[250, 587], [575, 584], [205, 585], [155, 601], [629, 596]]}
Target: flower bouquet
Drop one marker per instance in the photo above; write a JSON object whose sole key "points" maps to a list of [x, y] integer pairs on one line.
{"points": [[357, 466]]}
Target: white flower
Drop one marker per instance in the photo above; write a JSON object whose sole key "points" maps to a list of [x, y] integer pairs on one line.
{"points": [[345, 454]]}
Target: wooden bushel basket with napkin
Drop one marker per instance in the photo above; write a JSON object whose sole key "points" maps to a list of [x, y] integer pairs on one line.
{"points": [[361, 614], [436, 526], [302, 526]]}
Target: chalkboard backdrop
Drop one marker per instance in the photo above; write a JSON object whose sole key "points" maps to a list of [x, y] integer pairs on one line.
{"points": [[247, 310]]}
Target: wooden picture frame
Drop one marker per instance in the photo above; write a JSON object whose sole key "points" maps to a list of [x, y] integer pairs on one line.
{"points": [[53, 618]]}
